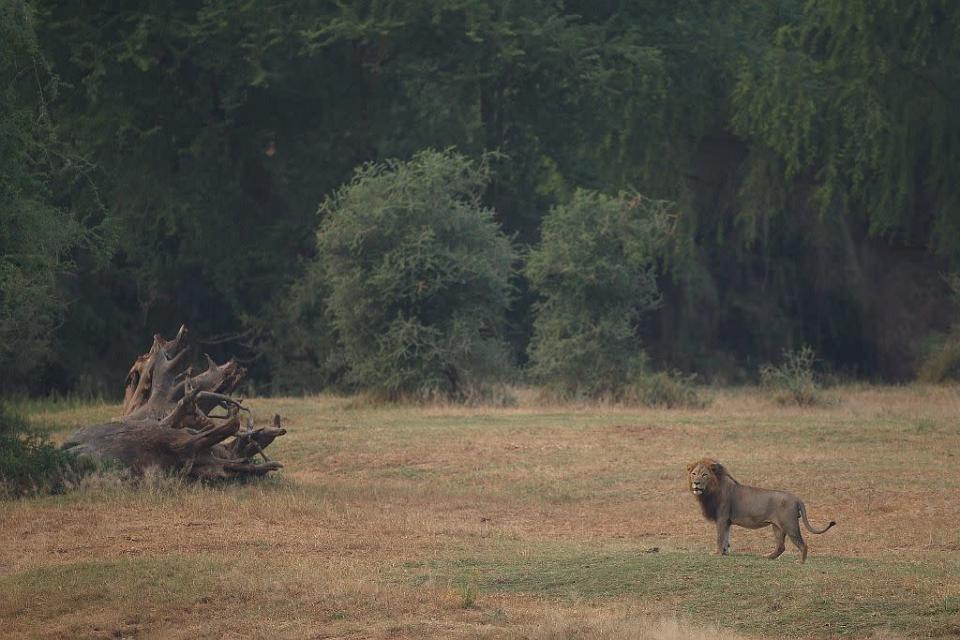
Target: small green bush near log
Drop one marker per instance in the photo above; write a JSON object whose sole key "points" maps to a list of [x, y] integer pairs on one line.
{"points": [[29, 462]]}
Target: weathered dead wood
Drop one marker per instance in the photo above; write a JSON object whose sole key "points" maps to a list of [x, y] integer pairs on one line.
{"points": [[158, 379], [168, 420]]}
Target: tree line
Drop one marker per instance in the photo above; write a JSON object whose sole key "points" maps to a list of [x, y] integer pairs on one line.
{"points": [[419, 196]]}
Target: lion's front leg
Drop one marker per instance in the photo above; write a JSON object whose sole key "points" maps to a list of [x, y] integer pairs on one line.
{"points": [[723, 536]]}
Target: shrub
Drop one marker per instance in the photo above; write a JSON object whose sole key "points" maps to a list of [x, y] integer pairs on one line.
{"points": [[941, 361], [792, 382], [941, 356], [419, 276], [594, 271], [667, 390], [29, 463]]}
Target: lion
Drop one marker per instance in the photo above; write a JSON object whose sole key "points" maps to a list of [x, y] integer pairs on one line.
{"points": [[727, 502]]}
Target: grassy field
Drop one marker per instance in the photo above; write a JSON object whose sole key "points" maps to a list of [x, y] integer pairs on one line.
{"points": [[539, 521]]}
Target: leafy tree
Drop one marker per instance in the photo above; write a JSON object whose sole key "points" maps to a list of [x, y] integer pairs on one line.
{"points": [[847, 109], [810, 146], [595, 273], [419, 276], [205, 120], [571, 94], [860, 97], [562, 92], [40, 231]]}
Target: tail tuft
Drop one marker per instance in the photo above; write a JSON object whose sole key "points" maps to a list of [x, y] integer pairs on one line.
{"points": [[832, 523]]}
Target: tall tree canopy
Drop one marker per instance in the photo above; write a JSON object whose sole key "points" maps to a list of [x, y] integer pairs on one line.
{"points": [[809, 147], [43, 195]]}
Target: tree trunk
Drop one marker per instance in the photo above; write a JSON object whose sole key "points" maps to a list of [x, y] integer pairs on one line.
{"points": [[168, 420]]}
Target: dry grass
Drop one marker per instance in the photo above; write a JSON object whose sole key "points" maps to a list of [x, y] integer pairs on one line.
{"points": [[531, 521]]}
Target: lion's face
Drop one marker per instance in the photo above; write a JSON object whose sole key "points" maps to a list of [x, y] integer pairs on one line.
{"points": [[702, 476]]}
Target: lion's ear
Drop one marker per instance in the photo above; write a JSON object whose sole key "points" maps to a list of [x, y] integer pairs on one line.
{"points": [[691, 466]]}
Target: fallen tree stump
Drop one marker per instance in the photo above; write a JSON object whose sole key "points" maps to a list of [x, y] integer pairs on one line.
{"points": [[169, 422]]}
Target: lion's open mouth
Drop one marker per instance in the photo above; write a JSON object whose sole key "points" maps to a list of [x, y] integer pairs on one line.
{"points": [[696, 491]]}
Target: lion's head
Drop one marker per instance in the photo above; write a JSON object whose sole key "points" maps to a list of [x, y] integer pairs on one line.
{"points": [[704, 477]]}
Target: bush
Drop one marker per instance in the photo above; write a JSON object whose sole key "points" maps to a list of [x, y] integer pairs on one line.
{"points": [[941, 361], [941, 354], [419, 277], [792, 382], [667, 390], [594, 271], [29, 463]]}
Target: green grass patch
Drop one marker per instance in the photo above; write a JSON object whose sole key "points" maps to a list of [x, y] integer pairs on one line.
{"points": [[829, 596]]}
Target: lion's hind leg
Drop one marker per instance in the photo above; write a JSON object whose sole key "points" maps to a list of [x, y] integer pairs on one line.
{"points": [[793, 530], [779, 535]]}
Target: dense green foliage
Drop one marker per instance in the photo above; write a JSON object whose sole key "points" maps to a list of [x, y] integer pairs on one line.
{"points": [[28, 461], [299, 338], [862, 97], [594, 269], [419, 277], [809, 146], [39, 230]]}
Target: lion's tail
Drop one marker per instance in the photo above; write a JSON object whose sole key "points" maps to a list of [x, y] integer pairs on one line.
{"points": [[803, 514]]}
